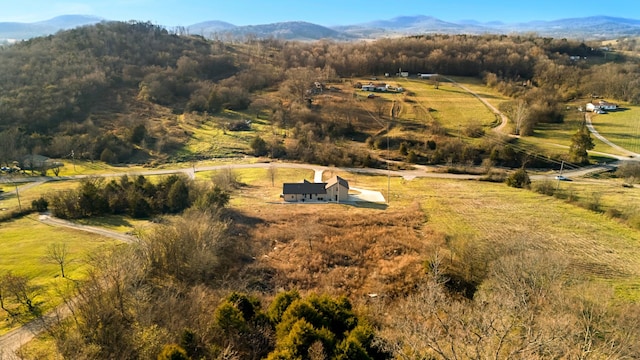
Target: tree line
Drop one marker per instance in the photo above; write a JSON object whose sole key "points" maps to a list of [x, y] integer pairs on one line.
{"points": [[136, 197]]}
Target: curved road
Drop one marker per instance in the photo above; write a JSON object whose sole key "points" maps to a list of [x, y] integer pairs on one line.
{"points": [[595, 133], [504, 120]]}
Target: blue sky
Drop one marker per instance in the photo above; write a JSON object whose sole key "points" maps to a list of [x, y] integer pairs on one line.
{"points": [[323, 12]]}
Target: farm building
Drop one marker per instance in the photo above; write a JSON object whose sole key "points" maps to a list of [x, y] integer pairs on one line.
{"points": [[336, 189], [601, 105], [381, 87], [427, 76]]}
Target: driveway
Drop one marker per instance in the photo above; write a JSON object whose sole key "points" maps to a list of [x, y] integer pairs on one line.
{"points": [[595, 133], [364, 195]]}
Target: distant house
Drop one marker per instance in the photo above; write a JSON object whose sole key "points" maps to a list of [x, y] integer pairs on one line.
{"points": [[336, 189], [380, 87], [601, 105], [427, 76]]}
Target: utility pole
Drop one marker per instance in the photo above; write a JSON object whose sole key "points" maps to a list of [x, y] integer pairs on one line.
{"points": [[561, 167], [388, 167], [73, 160]]}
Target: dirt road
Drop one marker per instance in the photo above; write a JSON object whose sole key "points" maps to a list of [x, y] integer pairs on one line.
{"points": [[504, 120]]}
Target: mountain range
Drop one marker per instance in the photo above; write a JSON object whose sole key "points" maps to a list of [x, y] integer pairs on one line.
{"points": [[588, 28]]}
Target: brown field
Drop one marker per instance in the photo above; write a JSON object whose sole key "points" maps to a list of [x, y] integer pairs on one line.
{"points": [[359, 250]]}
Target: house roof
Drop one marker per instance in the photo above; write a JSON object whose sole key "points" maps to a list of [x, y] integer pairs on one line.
{"points": [[304, 188], [337, 180]]}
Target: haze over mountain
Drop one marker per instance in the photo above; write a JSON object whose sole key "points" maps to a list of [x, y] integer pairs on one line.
{"points": [[21, 31], [595, 27]]}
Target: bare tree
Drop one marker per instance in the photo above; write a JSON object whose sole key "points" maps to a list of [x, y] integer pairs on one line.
{"points": [[58, 253], [519, 115], [20, 287]]}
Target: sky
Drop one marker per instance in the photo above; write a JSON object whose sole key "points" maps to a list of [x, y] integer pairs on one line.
{"points": [[322, 12]]}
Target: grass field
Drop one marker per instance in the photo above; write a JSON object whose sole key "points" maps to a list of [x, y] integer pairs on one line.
{"points": [[621, 127], [451, 106], [24, 249], [476, 85], [494, 219]]}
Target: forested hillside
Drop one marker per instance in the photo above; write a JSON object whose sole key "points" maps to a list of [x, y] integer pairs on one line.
{"points": [[112, 91]]}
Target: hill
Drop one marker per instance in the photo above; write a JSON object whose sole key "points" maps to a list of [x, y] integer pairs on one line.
{"points": [[138, 93], [209, 27], [294, 30]]}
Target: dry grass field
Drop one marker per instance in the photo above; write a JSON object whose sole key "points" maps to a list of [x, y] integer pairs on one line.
{"points": [[358, 250]]}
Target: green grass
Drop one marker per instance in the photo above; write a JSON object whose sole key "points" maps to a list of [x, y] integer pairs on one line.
{"points": [[121, 224], [23, 252], [620, 127], [554, 139], [31, 191], [476, 85], [209, 138], [451, 106]]}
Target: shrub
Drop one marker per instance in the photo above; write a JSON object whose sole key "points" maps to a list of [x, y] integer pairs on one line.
{"points": [[280, 304], [545, 187], [40, 205], [519, 179], [259, 146], [173, 352]]}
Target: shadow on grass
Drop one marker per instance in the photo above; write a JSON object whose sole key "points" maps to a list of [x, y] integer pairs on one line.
{"points": [[106, 221], [370, 205]]}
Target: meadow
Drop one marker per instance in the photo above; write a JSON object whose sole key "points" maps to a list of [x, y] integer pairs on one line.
{"points": [[621, 127], [24, 251]]}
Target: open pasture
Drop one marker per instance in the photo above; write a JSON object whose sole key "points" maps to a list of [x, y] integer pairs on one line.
{"points": [[24, 247]]}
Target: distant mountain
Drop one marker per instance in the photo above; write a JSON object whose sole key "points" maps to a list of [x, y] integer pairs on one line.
{"points": [[594, 27], [20, 31], [588, 28], [65, 22], [210, 27], [292, 30], [408, 25]]}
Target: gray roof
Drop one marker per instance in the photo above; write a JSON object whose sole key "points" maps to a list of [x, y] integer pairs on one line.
{"points": [[339, 180], [304, 188]]}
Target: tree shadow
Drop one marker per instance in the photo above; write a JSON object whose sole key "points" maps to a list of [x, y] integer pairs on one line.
{"points": [[370, 205]]}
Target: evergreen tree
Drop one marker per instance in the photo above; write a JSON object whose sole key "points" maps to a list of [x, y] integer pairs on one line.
{"points": [[581, 142]]}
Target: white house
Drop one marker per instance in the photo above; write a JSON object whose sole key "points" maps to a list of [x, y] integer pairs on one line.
{"points": [[601, 105], [427, 76], [380, 87], [335, 190]]}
